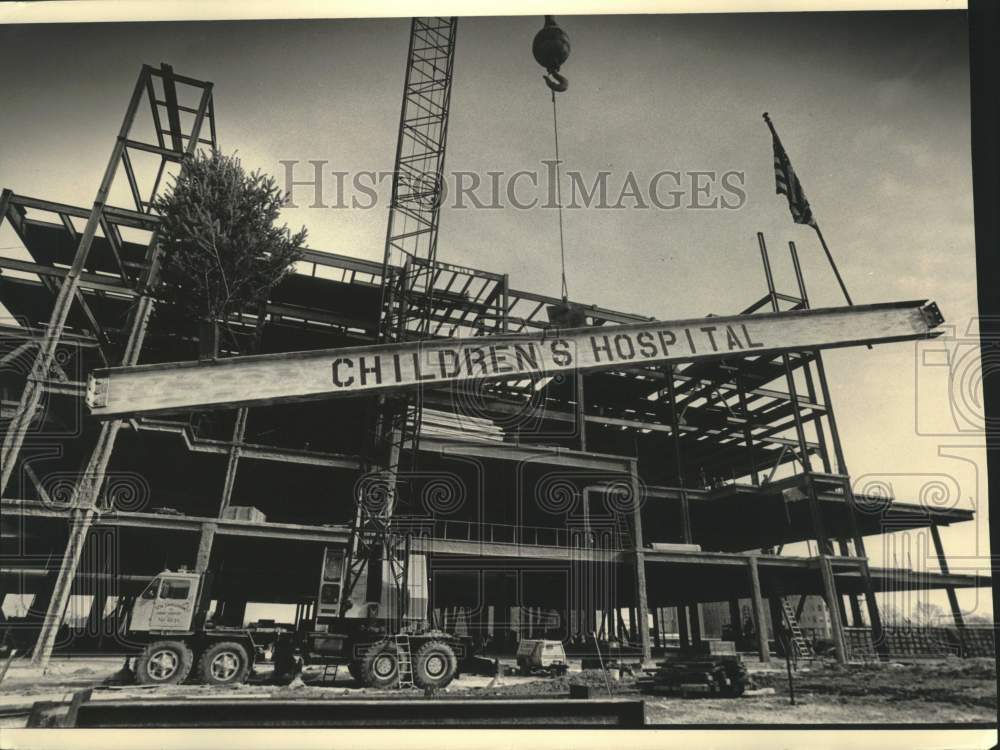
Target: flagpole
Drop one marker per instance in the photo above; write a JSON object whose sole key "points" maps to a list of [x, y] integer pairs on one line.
{"points": [[833, 265]]}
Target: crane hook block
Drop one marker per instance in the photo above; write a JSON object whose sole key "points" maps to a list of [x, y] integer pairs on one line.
{"points": [[551, 50]]}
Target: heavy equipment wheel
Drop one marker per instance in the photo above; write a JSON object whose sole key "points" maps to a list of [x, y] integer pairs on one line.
{"points": [[224, 663], [435, 665], [380, 666], [164, 663]]}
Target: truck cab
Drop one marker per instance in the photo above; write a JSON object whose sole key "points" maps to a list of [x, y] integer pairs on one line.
{"points": [[168, 604]]}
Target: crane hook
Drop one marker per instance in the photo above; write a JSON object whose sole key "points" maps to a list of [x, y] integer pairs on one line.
{"points": [[555, 81]]}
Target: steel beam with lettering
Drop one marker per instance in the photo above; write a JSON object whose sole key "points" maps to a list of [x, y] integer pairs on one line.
{"points": [[298, 376]]}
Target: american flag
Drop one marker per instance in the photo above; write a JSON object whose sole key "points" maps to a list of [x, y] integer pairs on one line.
{"points": [[787, 183]]}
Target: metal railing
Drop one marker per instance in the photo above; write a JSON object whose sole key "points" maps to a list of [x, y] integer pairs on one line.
{"points": [[596, 537]]}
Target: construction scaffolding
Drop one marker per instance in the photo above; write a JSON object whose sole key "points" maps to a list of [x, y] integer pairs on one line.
{"points": [[569, 506]]}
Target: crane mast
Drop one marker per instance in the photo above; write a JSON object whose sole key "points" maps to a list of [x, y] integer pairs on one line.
{"points": [[408, 271]]}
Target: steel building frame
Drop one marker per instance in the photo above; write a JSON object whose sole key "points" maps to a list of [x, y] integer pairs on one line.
{"points": [[695, 442]]}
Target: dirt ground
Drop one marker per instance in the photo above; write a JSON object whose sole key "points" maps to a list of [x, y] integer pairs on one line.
{"points": [[953, 691], [944, 691]]}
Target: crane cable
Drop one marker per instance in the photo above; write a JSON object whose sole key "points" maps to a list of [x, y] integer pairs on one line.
{"points": [[562, 244], [550, 49]]}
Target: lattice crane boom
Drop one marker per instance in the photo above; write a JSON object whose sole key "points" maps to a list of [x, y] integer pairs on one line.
{"points": [[408, 273]]}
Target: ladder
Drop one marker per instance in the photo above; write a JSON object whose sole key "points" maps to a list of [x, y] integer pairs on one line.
{"points": [[798, 640], [404, 659], [326, 672]]}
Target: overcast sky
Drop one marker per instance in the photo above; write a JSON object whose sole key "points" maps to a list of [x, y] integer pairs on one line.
{"points": [[873, 110]]}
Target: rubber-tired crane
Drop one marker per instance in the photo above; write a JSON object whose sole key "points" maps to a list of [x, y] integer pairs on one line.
{"points": [[365, 617]]}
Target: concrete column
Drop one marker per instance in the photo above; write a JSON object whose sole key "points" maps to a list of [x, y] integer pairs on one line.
{"points": [[842, 609], [640, 563], [855, 610], [682, 627], [757, 602], [874, 617], [830, 591], [95, 619], [620, 631], [204, 553], [694, 611], [956, 611], [852, 600], [735, 618], [857, 620], [118, 620], [675, 436], [777, 617]]}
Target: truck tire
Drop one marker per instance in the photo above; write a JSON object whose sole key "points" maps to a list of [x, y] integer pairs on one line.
{"points": [[224, 663], [380, 666], [435, 665], [164, 663]]}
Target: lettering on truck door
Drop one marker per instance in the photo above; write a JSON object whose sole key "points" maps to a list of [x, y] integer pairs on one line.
{"points": [[174, 608]]}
